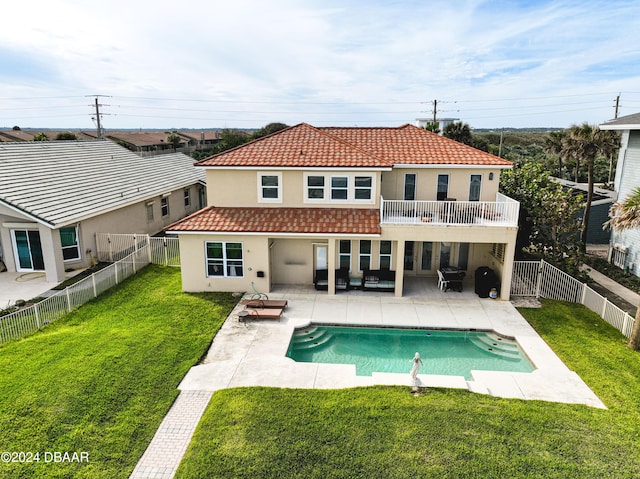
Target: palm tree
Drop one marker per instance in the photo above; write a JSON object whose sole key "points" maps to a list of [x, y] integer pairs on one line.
{"points": [[625, 215], [458, 131], [554, 144], [587, 142]]}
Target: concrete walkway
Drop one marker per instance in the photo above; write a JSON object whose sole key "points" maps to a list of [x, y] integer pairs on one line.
{"points": [[252, 353], [626, 294]]}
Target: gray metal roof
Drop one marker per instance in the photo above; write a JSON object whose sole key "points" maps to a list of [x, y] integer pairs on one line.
{"points": [[62, 182], [628, 122]]}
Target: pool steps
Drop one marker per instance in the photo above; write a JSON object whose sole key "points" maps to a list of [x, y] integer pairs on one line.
{"points": [[310, 337]]}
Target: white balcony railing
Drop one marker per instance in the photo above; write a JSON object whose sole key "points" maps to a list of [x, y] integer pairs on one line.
{"points": [[502, 212]]}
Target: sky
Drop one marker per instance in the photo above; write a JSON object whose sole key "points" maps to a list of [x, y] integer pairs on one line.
{"points": [[246, 63]]}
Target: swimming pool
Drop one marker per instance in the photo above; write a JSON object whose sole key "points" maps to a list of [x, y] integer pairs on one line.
{"points": [[390, 350]]}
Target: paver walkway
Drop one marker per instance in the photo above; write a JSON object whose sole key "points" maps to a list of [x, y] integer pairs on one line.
{"points": [[163, 456]]}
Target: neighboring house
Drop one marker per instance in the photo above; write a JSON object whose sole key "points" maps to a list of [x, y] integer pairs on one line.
{"points": [[442, 122], [29, 134], [54, 197], [599, 214], [149, 143], [306, 199], [625, 245]]}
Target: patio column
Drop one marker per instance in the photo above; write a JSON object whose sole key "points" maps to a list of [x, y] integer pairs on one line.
{"points": [[507, 270], [331, 266], [52, 254], [399, 268]]}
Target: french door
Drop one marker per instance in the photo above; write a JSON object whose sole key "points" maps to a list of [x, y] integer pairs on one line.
{"points": [[28, 250]]}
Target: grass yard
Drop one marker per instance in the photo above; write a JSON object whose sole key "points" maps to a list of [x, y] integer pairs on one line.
{"points": [[385, 432], [101, 379]]}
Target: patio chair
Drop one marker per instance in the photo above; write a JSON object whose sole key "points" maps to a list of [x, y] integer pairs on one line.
{"points": [[443, 284]]}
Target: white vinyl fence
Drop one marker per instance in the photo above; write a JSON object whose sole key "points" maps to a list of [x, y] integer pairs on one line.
{"points": [[113, 247], [543, 280], [28, 320]]}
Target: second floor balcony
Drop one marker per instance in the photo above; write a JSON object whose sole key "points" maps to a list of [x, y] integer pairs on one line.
{"points": [[502, 212]]}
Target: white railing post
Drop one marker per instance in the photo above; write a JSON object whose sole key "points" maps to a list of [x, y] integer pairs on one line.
{"points": [[68, 298], [625, 323], [539, 279], [166, 252], [93, 282], [150, 250], [604, 307], [110, 248], [36, 310], [115, 268]]}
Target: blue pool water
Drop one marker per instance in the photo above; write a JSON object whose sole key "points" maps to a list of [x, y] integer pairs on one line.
{"points": [[390, 350]]}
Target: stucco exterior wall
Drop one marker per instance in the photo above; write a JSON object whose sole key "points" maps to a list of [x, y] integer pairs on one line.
{"points": [[194, 269], [240, 188], [427, 183]]}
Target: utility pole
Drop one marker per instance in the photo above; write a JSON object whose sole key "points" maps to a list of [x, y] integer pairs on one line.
{"points": [[98, 119], [435, 111], [617, 106], [97, 107]]}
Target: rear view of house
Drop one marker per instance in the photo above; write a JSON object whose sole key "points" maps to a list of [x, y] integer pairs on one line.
{"points": [[54, 197], [347, 204]]}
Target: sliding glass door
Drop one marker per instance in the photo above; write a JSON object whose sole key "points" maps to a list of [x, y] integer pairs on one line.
{"points": [[28, 250]]}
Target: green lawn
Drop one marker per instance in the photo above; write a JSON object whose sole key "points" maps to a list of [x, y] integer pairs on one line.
{"points": [[386, 432], [101, 379]]}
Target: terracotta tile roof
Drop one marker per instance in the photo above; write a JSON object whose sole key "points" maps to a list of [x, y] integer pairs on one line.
{"points": [[377, 147], [298, 146], [410, 145], [281, 220]]}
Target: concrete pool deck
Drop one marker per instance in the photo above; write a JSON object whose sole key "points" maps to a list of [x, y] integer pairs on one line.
{"points": [[252, 353]]}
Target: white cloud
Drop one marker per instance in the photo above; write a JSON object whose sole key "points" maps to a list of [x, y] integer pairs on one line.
{"points": [[352, 59]]}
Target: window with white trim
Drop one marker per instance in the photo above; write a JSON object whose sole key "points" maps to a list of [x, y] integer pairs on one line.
{"points": [[344, 258], [339, 187], [269, 187], [164, 206], [70, 244], [187, 197], [443, 187], [315, 187], [384, 259], [363, 187], [224, 259], [475, 183], [364, 258]]}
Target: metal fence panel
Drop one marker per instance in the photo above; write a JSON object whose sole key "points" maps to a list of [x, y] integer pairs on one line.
{"points": [[556, 284], [525, 278], [28, 320], [541, 279]]}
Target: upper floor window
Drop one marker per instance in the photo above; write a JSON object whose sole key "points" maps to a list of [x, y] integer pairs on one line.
{"points": [[164, 206], [363, 187], [269, 187], [315, 187], [70, 244], [149, 207], [339, 187], [187, 197], [409, 187], [224, 259], [474, 187], [443, 187]]}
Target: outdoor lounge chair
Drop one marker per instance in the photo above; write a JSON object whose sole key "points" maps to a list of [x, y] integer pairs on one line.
{"points": [[258, 313], [265, 303]]}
